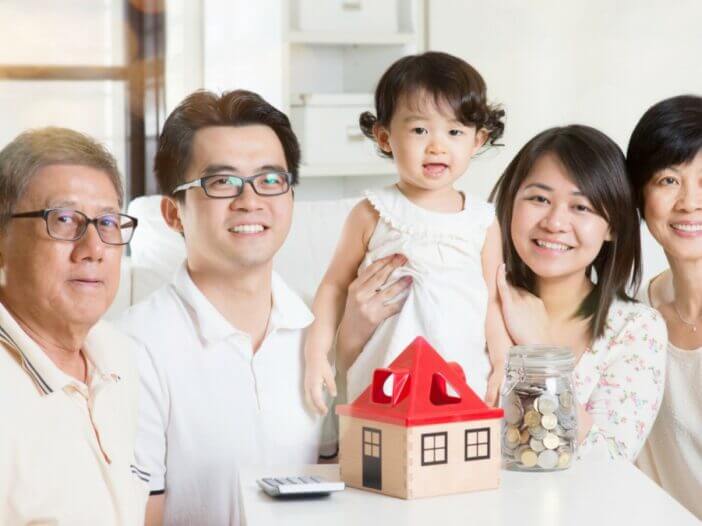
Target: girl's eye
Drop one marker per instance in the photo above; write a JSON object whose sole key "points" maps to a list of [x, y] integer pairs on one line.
{"points": [[583, 208], [419, 131], [455, 133]]}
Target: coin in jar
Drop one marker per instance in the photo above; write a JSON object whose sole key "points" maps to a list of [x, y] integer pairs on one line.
{"points": [[566, 399], [528, 458], [549, 421], [547, 459], [525, 436], [536, 445], [564, 459], [513, 410], [532, 418], [512, 435], [537, 432], [551, 441], [546, 404]]}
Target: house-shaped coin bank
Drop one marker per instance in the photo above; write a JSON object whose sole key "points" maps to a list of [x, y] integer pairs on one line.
{"points": [[418, 430]]}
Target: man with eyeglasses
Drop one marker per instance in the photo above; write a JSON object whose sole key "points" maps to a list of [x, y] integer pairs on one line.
{"points": [[222, 366], [68, 381]]}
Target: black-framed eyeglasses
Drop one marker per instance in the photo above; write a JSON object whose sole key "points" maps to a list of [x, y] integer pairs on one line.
{"points": [[66, 224], [222, 186]]}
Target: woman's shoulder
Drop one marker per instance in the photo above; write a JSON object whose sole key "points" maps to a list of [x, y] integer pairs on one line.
{"points": [[635, 320]]}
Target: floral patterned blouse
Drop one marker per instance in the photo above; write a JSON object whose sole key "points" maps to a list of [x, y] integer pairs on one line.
{"points": [[620, 380]]}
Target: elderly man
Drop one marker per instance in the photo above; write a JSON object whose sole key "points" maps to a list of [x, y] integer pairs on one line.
{"points": [[67, 384], [221, 368]]}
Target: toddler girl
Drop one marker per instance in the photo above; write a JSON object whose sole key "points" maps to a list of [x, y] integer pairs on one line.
{"points": [[432, 117]]}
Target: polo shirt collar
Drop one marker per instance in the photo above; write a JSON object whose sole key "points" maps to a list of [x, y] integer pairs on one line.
{"points": [[288, 310], [45, 373]]}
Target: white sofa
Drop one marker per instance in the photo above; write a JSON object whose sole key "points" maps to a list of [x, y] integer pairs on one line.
{"points": [[156, 251]]}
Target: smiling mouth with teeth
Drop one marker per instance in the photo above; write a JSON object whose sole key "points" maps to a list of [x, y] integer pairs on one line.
{"points": [[247, 229], [687, 227], [552, 246]]}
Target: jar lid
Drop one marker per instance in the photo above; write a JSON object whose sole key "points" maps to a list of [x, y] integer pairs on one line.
{"points": [[542, 357]]}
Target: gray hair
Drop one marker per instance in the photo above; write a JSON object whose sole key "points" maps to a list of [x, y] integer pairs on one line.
{"points": [[35, 149]]}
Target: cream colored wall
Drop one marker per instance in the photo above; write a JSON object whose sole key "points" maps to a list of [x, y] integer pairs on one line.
{"points": [[393, 454], [457, 475]]}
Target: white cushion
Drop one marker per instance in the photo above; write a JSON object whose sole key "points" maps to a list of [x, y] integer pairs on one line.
{"points": [[156, 250]]}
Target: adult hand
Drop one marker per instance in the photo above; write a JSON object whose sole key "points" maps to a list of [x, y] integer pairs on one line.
{"points": [[367, 305], [525, 315]]}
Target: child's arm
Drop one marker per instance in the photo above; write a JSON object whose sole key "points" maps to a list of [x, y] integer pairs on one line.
{"points": [[329, 301], [496, 334]]}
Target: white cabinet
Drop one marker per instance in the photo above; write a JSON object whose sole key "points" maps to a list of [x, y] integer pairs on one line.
{"points": [[345, 15], [335, 53]]}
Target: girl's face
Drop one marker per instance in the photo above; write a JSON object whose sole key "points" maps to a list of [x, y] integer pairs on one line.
{"points": [[673, 209], [430, 146], [555, 229]]}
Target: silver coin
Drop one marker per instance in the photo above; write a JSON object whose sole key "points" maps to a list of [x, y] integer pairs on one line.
{"points": [[536, 445], [513, 410], [549, 421], [551, 441], [547, 459], [566, 399], [567, 422], [546, 404], [537, 432]]}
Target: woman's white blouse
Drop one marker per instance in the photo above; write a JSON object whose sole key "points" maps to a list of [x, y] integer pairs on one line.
{"points": [[672, 455], [620, 381]]}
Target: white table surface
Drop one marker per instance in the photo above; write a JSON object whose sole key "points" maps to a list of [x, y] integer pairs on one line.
{"points": [[593, 494]]}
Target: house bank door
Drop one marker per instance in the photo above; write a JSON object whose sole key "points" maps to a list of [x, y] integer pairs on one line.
{"points": [[372, 458]]}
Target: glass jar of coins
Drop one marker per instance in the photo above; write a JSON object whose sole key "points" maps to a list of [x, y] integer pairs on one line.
{"points": [[539, 431]]}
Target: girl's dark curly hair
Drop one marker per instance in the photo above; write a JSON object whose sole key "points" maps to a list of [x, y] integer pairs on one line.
{"points": [[444, 77]]}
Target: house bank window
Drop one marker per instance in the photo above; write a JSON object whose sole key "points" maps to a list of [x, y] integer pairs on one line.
{"points": [[478, 443], [434, 448]]}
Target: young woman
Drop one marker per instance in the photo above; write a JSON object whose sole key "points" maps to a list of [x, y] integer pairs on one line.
{"points": [[571, 244]]}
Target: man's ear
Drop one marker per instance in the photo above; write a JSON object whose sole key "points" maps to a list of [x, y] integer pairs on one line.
{"points": [[382, 137], [170, 210]]}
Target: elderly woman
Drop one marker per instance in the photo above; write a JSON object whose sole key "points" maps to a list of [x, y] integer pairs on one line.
{"points": [[67, 384], [665, 167]]}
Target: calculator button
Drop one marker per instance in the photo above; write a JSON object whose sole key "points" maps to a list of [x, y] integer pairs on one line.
{"points": [[291, 480], [272, 482]]}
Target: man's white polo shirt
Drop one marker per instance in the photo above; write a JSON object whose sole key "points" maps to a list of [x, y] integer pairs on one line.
{"points": [[209, 405], [67, 448]]}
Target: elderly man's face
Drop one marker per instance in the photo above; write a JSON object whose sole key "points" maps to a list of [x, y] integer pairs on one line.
{"points": [[222, 235], [76, 280]]}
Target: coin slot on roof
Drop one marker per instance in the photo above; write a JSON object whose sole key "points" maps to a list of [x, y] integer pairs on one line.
{"points": [[442, 392], [389, 386]]}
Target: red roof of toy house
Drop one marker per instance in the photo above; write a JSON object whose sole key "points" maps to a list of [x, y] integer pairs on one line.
{"points": [[415, 389]]}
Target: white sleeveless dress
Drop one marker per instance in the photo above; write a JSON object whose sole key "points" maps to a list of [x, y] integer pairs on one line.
{"points": [[447, 301]]}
